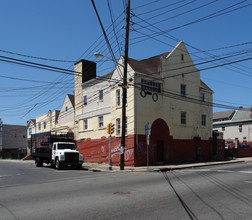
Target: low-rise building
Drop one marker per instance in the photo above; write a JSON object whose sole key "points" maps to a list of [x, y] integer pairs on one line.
{"points": [[164, 90], [13, 141], [235, 125]]}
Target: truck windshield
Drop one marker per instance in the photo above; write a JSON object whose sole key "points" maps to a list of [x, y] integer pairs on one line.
{"points": [[66, 146]]}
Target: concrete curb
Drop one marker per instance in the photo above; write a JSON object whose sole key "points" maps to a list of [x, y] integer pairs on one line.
{"points": [[161, 168]]}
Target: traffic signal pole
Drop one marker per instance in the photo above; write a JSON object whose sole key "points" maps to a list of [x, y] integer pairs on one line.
{"points": [[124, 87]]}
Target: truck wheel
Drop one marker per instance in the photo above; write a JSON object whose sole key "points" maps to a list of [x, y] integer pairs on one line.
{"points": [[57, 164], [38, 162], [52, 164]]}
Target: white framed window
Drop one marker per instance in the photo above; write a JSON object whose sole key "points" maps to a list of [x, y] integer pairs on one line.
{"points": [[100, 121], [39, 126], [44, 124], [118, 97], [100, 95], [151, 86], [30, 131], [183, 118], [118, 126], [245, 139], [223, 128], [85, 124], [66, 108], [240, 128], [183, 90], [84, 100], [203, 120]]}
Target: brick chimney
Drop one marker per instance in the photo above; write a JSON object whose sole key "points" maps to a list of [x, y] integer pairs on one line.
{"points": [[87, 68], [84, 71]]}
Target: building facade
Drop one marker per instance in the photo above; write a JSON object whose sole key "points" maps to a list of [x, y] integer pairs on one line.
{"points": [[165, 91], [237, 128], [14, 142]]}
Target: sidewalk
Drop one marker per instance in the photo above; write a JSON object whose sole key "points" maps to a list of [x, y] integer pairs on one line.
{"points": [[95, 167]]}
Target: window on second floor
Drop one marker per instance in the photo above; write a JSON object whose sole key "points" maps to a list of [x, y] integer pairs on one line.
{"points": [[44, 124], [223, 128], [85, 124], [30, 131], [66, 108], [202, 97], [100, 95], [183, 118], [183, 90], [118, 97], [39, 126], [203, 120], [245, 139], [85, 100], [148, 85], [100, 119], [240, 128]]}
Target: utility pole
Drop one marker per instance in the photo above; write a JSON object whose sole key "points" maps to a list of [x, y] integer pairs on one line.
{"points": [[1, 135], [124, 87]]}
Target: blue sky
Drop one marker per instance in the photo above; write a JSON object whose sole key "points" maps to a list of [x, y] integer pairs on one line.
{"points": [[69, 30]]}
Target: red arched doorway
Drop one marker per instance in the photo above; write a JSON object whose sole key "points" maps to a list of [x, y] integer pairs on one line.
{"points": [[159, 140]]}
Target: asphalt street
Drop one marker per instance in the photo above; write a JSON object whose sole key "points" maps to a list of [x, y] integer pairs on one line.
{"points": [[213, 192]]}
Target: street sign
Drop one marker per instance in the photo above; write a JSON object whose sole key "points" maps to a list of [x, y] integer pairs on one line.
{"points": [[147, 128], [147, 132]]}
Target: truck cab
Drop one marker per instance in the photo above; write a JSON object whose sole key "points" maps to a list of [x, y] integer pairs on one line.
{"points": [[65, 154]]}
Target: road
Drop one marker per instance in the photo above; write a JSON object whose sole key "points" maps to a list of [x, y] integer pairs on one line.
{"points": [[216, 192]]}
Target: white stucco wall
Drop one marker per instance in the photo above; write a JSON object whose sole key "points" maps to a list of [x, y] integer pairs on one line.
{"points": [[232, 131], [170, 104], [95, 108]]}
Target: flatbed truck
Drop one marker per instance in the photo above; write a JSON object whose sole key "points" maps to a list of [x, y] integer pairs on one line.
{"points": [[58, 150]]}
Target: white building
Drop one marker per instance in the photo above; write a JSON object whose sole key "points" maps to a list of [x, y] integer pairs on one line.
{"points": [[235, 125]]}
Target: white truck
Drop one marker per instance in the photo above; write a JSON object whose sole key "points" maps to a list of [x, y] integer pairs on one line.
{"points": [[57, 150]]}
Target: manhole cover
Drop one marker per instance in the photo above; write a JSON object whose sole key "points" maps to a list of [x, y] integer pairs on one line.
{"points": [[121, 193]]}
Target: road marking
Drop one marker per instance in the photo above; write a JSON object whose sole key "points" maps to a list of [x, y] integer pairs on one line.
{"points": [[245, 171], [5, 176], [248, 181], [225, 171]]}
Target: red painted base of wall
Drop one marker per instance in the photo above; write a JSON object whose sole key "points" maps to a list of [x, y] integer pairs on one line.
{"points": [[98, 150], [163, 149], [173, 151], [245, 152]]}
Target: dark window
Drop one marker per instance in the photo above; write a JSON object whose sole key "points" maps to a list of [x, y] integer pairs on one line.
{"points": [[101, 95], [203, 120], [118, 97], [100, 121], [183, 90], [85, 124], [202, 97], [85, 100], [151, 86], [183, 118], [118, 126]]}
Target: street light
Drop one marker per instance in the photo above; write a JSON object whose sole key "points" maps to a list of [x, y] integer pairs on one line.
{"points": [[98, 55]]}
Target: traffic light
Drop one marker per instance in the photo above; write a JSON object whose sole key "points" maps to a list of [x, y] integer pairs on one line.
{"points": [[109, 128], [112, 128]]}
